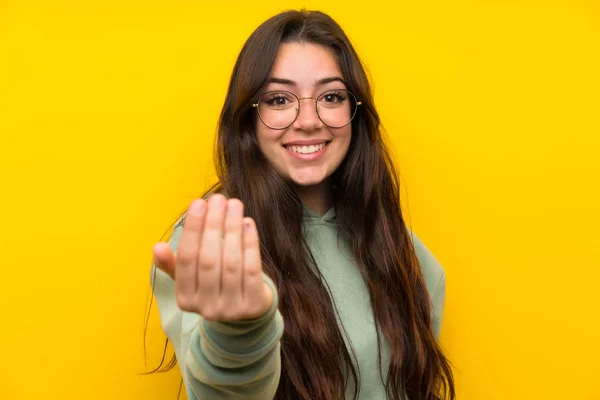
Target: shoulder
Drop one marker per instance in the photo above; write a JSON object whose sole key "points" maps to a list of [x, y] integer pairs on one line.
{"points": [[433, 272]]}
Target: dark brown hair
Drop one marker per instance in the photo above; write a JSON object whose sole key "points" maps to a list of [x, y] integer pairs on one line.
{"points": [[316, 363]]}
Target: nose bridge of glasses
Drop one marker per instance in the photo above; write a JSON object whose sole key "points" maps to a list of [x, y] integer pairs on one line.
{"points": [[315, 109]]}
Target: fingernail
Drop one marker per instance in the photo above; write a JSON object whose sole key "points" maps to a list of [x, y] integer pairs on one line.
{"points": [[247, 226], [197, 207]]}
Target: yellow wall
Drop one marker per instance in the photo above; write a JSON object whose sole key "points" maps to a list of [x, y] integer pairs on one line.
{"points": [[107, 114]]}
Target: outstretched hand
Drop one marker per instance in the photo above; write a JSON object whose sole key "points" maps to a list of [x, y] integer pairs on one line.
{"points": [[217, 268]]}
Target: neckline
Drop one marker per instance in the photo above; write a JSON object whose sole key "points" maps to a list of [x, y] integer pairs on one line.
{"points": [[329, 216]]}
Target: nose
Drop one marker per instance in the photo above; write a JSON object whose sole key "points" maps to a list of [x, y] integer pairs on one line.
{"points": [[308, 119]]}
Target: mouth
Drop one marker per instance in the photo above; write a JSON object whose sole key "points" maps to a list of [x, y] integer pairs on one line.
{"points": [[311, 149]]}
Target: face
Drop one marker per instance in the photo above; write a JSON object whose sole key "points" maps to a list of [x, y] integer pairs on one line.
{"points": [[308, 151]]}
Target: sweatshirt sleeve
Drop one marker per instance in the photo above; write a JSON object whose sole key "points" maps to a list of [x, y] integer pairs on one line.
{"points": [[218, 360], [438, 300], [435, 280]]}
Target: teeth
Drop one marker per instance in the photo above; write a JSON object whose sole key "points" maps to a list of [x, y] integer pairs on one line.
{"points": [[306, 149]]}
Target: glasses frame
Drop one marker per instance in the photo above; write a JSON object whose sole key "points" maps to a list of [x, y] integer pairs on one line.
{"points": [[357, 102]]}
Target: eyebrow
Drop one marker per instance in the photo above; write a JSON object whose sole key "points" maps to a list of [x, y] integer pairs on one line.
{"points": [[319, 82]]}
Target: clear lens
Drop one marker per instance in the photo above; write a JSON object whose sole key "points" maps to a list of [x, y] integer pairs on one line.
{"points": [[336, 108], [278, 110]]}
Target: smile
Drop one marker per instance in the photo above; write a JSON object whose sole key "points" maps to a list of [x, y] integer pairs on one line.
{"points": [[307, 149], [307, 153]]}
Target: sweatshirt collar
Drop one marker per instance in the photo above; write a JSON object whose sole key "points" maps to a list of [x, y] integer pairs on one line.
{"points": [[329, 216]]}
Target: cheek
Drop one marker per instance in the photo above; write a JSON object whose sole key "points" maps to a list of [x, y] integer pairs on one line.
{"points": [[268, 140], [344, 137]]}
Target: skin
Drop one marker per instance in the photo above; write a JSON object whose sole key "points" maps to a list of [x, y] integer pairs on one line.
{"points": [[217, 269], [305, 64]]}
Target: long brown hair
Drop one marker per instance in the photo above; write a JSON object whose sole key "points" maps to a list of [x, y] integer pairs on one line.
{"points": [[316, 363]]}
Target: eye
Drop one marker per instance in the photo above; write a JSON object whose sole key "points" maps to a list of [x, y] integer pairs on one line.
{"points": [[278, 100], [333, 97]]}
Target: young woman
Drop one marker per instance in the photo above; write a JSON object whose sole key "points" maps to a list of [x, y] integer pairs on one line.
{"points": [[295, 277]]}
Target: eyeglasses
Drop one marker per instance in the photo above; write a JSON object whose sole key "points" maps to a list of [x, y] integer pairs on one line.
{"points": [[279, 109]]}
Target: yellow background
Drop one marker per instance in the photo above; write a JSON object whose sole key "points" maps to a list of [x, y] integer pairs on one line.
{"points": [[107, 116]]}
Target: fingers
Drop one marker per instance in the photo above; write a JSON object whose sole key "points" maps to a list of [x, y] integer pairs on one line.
{"points": [[231, 268], [164, 258], [187, 254], [254, 291], [209, 258], [217, 268]]}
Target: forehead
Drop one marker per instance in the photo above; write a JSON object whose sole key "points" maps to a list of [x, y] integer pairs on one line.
{"points": [[305, 63]]}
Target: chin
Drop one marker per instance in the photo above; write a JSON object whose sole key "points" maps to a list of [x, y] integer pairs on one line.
{"points": [[307, 181]]}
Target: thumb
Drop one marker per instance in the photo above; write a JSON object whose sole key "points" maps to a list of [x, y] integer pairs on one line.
{"points": [[164, 258]]}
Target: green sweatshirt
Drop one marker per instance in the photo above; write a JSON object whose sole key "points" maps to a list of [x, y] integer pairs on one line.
{"points": [[241, 360]]}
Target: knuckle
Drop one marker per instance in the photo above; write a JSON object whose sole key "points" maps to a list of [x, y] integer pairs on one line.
{"points": [[213, 236], [211, 314], [231, 269], [207, 264], [208, 260], [252, 311], [233, 222], [253, 270], [233, 225], [213, 222], [185, 257], [231, 264], [231, 309], [231, 315], [186, 303]]}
